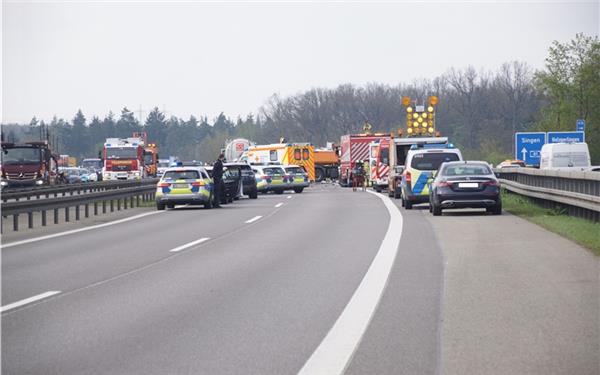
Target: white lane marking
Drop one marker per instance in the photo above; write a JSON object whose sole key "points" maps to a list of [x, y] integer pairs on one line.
{"points": [[36, 239], [253, 219], [279, 205], [289, 197], [26, 301], [334, 353], [189, 244]]}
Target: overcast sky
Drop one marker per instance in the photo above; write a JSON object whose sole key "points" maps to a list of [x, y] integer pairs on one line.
{"points": [[203, 58]]}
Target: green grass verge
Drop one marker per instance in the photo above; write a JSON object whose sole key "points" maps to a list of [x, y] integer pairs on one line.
{"points": [[582, 231]]}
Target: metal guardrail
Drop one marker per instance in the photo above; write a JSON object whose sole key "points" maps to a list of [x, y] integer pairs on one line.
{"points": [[47, 191], [578, 192], [113, 193]]}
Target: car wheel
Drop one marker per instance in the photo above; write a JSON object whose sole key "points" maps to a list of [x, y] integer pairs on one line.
{"points": [[208, 204], [253, 194], [160, 206], [436, 210], [496, 210], [278, 191], [298, 190], [407, 204], [170, 205]]}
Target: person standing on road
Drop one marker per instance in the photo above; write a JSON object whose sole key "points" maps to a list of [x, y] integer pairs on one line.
{"points": [[218, 180]]}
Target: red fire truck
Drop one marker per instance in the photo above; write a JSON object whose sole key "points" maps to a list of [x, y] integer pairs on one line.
{"points": [[353, 148], [123, 159]]}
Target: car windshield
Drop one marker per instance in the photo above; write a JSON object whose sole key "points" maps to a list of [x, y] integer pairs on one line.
{"points": [[148, 158], [182, 175], [431, 161], [466, 170], [121, 153], [164, 164], [25, 155], [296, 170], [92, 164], [273, 171]]}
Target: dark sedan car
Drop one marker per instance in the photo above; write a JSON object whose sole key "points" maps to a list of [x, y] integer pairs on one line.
{"points": [[244, 172], [231, 185], [465, 184]]}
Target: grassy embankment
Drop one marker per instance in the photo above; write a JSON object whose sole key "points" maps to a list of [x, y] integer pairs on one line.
{"points": [[584, 232]]}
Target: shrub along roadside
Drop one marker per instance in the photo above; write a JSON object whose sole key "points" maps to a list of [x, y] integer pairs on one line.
{"points": [[581, 231]]}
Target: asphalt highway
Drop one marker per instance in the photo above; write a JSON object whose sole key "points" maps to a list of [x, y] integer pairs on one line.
{"points": [[263, 287]]}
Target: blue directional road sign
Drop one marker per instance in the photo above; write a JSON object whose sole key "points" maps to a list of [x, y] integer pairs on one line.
{"points": [[558, 137], [580, 125], [528, 147]]}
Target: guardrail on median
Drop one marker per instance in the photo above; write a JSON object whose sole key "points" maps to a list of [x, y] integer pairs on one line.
{"points": [[130, 193], [578, 192], [47, 191]]}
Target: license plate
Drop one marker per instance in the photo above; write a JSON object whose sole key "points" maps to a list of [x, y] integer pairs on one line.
{"points": [[468, 185], [180, 186]]}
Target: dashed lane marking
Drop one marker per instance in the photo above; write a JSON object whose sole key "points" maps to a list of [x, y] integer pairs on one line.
{"points": [[189, 244], [253, 219]]}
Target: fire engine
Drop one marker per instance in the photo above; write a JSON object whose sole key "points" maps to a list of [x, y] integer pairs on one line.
{"points": [[356, 147], [379, 163], [302, 154], [123, 159]]}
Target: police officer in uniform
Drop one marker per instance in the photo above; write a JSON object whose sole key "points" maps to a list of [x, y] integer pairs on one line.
{"points": [[218, 180]]}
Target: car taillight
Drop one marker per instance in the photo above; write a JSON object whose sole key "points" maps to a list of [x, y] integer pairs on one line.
{"points": [[198, 183], [163, 184], [408, 176], [266, 177], [491, 183], [444, 184]]}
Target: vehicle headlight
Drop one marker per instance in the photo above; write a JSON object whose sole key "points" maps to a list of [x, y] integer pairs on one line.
{"points": [[3, 183], [39, 182]]}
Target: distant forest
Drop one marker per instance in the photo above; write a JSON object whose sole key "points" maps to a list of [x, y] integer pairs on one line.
{"points": [[479, 111]]}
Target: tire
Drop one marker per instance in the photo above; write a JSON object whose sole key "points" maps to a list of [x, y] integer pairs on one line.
{"points": [[170, 205], [396, 194], [319, 174], [436, 210], [208, 205], [253, 194], [160, 206], [278, 191], [496, 210], [407, 204], [298, 190], [377, 189]]}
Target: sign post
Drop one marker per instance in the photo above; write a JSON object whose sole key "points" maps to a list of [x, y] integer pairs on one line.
{"points": [[528, 147]]}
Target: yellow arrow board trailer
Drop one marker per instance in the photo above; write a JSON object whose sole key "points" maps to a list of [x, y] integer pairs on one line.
{"points": [[302, 154]]}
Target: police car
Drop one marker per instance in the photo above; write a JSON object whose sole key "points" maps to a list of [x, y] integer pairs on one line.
{"points": [[422, 163], [297, 178], [184, 185], [270, 178]]}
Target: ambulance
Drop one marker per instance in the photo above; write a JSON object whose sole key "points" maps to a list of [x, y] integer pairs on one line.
{"points": [[302, 154]]}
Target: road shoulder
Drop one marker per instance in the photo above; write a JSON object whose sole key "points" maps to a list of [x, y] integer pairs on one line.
{"points": [[518, 298]]}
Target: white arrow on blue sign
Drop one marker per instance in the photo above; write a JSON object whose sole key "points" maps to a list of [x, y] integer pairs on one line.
{"points": [[528, 147]]}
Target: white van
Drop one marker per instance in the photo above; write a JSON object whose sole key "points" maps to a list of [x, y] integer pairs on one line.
{"points": [[569, 156]]}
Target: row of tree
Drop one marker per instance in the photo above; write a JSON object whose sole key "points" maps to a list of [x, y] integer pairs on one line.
{"points": [[479, 110]]}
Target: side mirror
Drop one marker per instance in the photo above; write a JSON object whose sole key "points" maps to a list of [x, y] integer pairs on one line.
{"points": [[399, 169]]}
